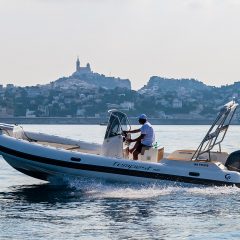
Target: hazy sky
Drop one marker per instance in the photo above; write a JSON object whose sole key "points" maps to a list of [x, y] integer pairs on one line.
{"points": [[135, 39]]}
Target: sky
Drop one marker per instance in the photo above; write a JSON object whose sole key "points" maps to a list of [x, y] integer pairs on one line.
{"points": [[136, 39]]}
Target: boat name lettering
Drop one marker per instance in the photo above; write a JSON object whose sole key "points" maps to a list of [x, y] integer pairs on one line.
{"points": [[201, 164], [130, 166]]}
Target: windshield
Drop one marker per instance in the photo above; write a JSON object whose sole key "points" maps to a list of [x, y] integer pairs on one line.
{"points": [[118, 122]]}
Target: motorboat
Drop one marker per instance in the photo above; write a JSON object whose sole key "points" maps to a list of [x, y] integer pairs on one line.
{"points": [[49, 157]]}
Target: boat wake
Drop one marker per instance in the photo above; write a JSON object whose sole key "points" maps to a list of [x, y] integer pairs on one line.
{"points": [[105, 190], [84, 190]]}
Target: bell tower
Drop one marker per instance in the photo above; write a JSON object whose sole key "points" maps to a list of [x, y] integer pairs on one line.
{"points": [[77, 65]]}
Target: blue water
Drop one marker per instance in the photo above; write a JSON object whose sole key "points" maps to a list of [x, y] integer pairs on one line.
{"points": [[33, 209]]}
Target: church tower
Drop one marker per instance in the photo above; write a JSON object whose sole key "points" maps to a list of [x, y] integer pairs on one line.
{"points": [[77, 65], [88, 67]]}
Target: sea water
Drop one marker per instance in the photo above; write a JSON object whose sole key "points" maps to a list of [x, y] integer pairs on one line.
{"points": [[33, 209]]}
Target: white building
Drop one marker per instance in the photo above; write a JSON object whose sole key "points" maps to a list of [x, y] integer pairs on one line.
{"points": [[44, 110], [177, 103], [82, 70], [6, 112], [80, 112], [30, 113], [164, 102], [127, 105]]}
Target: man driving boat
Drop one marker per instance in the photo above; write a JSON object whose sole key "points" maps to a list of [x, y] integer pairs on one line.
{"points": [[145, 140]]}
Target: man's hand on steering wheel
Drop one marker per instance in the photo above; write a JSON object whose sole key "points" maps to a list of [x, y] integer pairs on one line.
{"points": [[125, 133]]}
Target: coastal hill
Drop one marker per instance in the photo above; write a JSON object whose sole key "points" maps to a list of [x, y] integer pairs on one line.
{"points": [[86, 94], [86, 78], [156, 83]]}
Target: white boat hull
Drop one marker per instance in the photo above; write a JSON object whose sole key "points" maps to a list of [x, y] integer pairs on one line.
{"points": [[48, 163]]}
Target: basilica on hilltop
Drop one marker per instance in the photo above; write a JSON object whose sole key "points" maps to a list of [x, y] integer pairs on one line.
{"points": [[82, 71], [85, 77]]}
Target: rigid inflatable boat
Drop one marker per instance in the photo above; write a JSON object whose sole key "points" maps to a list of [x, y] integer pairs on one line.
{"points": [[50, 157]]}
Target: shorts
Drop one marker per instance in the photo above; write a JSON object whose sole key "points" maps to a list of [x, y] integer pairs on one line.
{"points": [[140, 146]]}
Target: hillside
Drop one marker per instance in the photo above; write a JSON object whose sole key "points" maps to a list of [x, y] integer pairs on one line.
{"points": [[156, 83], [89, 94], [86, 78]]}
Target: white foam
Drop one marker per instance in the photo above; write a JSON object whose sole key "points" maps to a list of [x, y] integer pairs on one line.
{"points": [[97, 189], [213, 190]]}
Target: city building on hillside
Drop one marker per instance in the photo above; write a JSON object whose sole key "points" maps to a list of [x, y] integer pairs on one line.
{"points": [[43, 111], [80, 112], [177, 103], [113, 106], [6, 112], [10, 86], [33, 92], [127, 105], [30, 113], [161, 114], [164, 102]]}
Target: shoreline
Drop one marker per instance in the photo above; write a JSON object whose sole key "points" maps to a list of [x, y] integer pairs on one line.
{"points": [[98, 121]]}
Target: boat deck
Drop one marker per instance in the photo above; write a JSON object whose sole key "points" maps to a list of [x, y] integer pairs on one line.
{"points": [[178, 155], [186, 155], [68, 147]]}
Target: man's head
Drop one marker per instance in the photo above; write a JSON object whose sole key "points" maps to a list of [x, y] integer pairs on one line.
{"points": [[142, 119]]}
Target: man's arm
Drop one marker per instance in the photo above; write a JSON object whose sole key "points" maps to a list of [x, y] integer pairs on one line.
{"points": [[133, 131], [137, 139]]}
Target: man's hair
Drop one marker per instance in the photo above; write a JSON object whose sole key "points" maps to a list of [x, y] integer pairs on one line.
{"points": [[142, 121]]}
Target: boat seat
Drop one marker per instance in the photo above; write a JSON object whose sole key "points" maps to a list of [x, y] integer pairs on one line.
{"points": [[186, 155], [144, 148], [151, 154], [182, 155]]}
